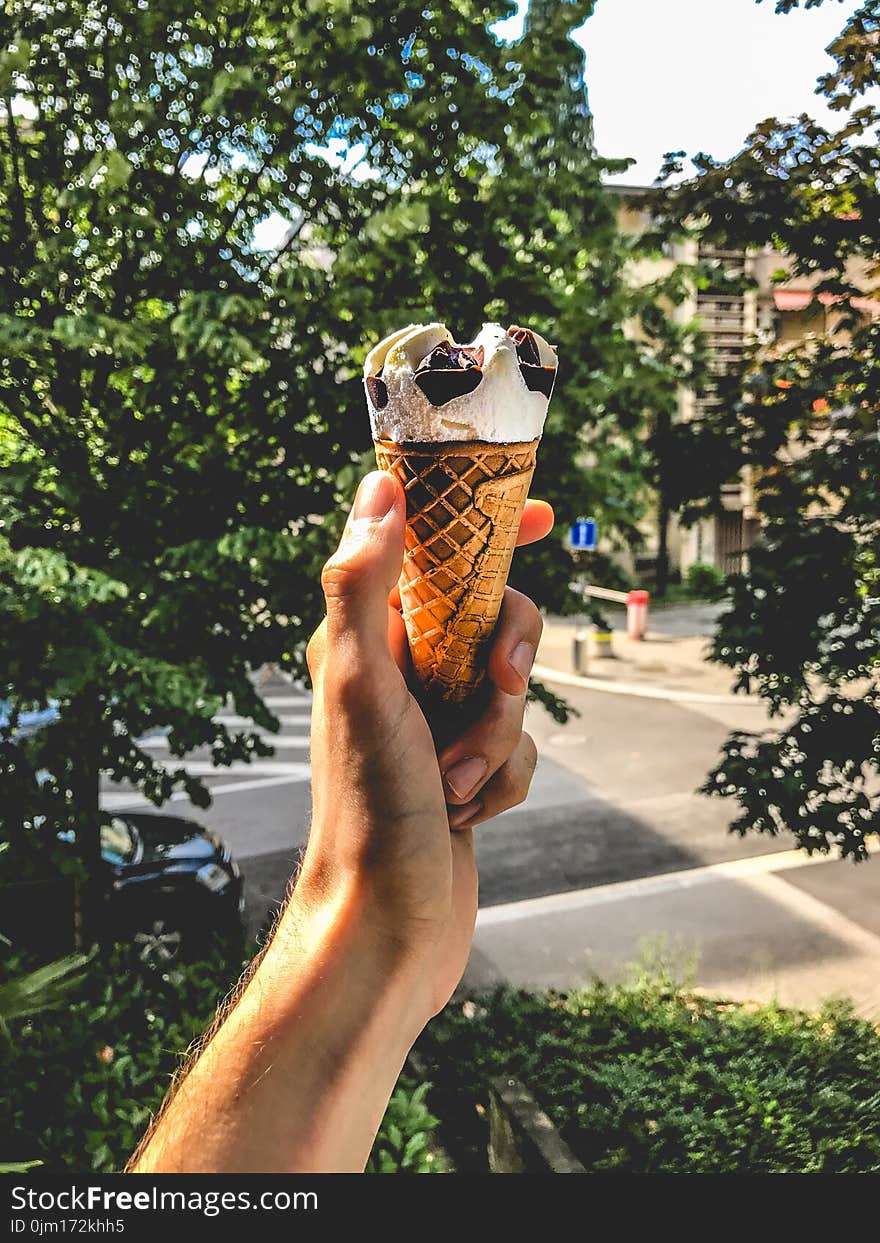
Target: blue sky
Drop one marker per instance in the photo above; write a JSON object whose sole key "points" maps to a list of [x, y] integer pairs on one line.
{"points": [[698, 74]]}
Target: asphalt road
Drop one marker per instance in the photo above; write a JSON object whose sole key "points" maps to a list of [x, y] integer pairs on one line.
{"points": [[613, 799]]}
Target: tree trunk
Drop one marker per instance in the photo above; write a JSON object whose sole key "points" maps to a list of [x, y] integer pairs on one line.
{"points": [[86, 712], [662, 577], [662, 431]]}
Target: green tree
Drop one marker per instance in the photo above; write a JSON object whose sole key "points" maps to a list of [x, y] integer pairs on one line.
{"points": [[180, 403], [673, 358], [803, 630], [518, 226]]}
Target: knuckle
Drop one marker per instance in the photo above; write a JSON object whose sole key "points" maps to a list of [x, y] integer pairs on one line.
{"points": [[530, 753], [360, 691], [512, 786], [499, 742], [341, 578], [344, 684], [506, 729], [516, 792], [315, 651], [514, 779], [524, 613]]}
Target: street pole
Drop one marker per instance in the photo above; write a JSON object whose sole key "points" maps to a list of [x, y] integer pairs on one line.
{"points": [[581, 543], [581, 659]]}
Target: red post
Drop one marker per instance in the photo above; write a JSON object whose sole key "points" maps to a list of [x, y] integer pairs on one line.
{"points": [[637, 614]]}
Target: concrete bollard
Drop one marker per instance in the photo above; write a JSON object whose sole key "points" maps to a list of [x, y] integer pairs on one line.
{"points": [[602, 645], [580, 653]]}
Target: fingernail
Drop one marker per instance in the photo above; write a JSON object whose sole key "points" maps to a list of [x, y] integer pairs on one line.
{"points": [[375, 496], [462, 815], [463, 777], [522, 658]]}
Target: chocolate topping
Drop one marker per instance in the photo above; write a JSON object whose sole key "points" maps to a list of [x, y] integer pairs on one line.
{"points": [[448, 357], [526, 346], [378, 391], [449, 371], [538, 379], [441, 386]]}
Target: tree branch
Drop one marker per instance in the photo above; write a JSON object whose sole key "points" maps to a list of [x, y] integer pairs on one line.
{"points": [[19, 216]]}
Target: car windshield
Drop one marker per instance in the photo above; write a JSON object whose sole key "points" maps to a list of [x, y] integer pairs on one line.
{"points": [[119, 841]]}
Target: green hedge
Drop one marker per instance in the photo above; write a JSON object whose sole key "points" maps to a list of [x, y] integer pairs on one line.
{"points": [[705, 582], [79, 1083], [650, 1079]]}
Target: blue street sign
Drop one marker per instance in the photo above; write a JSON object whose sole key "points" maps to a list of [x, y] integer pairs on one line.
{"points": [[583, 534]]}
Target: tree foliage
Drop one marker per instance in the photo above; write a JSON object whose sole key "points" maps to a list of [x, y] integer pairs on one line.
{"points": [[80, 1088], [181, 415], [803, 630]]}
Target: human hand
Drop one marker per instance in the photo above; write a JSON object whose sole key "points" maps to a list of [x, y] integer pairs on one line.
{"points": [[299, 1067], [384, 801]]}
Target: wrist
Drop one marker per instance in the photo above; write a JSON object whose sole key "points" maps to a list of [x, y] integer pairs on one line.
{"points": [[300, 1072], [330, 935]]}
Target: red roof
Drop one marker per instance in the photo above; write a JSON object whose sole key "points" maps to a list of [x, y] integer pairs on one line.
{"points": [[800, 299]]}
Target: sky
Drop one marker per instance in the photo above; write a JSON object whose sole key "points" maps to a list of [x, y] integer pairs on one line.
{"points": [[679, 75], [697, 75]]}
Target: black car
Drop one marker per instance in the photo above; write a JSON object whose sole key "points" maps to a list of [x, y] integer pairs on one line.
{"points": [[170, 887]]}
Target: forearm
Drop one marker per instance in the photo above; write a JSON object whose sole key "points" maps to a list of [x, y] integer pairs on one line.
{"points": [[298, 1076]]}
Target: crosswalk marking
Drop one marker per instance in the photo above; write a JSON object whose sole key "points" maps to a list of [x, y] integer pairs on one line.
{"points": [[159, 742], [262, 768], [119, 801], [261, 773]]}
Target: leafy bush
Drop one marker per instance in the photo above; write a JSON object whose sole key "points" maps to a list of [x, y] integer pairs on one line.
{"points": [[650, 1079], [80, 1085], [404, 1144], [705, 582]]}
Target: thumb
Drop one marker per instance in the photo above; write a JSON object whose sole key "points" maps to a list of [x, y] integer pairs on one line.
{"points": [[359, 576]]}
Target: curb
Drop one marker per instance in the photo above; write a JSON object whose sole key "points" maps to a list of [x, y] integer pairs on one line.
{"points": [[546, 674], [522, 1139]]}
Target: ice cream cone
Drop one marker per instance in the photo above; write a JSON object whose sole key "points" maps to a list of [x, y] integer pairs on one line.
{"points": [[464, 500]]}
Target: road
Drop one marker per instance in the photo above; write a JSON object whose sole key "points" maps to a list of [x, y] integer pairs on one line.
{"points": [[613, 799], [612, 850]]}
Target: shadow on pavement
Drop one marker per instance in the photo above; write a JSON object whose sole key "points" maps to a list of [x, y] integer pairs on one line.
{"points": [[578, 846]]}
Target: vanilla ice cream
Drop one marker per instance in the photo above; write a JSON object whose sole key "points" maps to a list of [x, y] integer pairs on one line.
{"points": [[423, 387]]}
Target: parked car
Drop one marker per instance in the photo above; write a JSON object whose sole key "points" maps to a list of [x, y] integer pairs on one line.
{"points": [[28, 723], [171, 886]]}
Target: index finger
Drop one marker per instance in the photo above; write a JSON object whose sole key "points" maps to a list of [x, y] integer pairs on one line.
{"points": [[536, 522]]}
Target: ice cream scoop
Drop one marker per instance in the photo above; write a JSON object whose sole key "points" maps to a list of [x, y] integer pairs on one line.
{"points": [[423, 386], [459, 426]]}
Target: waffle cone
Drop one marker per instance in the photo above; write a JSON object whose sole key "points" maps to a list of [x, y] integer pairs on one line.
{"points": [[464, 500]]}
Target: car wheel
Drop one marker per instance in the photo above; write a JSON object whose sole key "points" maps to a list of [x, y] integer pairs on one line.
{"points": [[158, 945]]}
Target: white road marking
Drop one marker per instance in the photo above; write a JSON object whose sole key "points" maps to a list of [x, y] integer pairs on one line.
{"points": [[259, 768], [546, 674], [243, 722], [286, 701], [159, 742], [642, 886], [117, 801], [815, 911]]}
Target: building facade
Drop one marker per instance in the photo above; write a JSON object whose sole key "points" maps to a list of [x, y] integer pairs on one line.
{"points": [[777, 315]]}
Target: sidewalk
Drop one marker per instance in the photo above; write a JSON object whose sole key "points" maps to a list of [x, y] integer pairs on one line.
{"points": [[671, 661], [768, 926], [749, 930]]}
